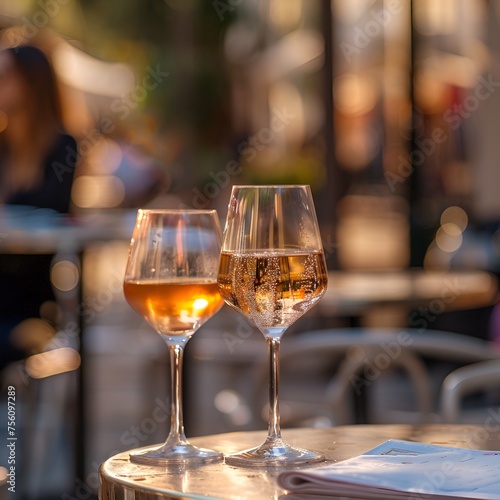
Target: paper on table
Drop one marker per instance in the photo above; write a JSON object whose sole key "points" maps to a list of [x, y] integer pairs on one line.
{"points": [[403, 470]]}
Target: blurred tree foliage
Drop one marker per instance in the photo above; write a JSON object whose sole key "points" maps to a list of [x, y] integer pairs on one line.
{"points": [[189, 111]]}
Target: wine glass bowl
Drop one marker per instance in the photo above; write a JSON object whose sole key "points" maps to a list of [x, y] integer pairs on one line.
{"points": [[171, 281], [272, 289], [272, 270]]}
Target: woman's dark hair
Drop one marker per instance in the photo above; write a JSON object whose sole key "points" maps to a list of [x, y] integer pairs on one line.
{"points": [[41, 112], [34, 67]]}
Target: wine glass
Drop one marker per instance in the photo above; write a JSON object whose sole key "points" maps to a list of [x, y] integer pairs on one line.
{"points": [[171, 280], [272, 270]]}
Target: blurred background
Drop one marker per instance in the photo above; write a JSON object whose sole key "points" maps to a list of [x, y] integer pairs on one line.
{"points": [[389, 109]]}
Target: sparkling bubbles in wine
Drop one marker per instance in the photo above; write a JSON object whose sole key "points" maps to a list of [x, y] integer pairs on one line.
{"points": [[273, 289]]}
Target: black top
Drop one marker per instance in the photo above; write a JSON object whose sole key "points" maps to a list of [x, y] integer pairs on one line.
{"points": [[55, 190]]}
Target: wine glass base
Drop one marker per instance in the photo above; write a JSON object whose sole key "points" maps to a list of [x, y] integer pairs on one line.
{"points": [[272, 454], [178, 454]]}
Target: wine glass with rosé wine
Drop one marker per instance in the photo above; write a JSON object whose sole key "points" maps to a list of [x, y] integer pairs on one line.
{"points": [[171, 281], [272, 270]]}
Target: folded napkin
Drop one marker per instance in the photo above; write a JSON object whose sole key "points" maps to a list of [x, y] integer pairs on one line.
{"points": [[402, 470]]}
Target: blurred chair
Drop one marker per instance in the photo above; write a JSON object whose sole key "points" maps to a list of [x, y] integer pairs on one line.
{"points": [[325, 374], [472, 379]]}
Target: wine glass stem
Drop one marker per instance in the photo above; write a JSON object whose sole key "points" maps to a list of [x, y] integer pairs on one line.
{"points": [[176, 420], [274, 431]]}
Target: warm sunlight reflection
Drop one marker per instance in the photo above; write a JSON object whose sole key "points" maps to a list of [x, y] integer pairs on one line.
{"points": [[52, 362]]}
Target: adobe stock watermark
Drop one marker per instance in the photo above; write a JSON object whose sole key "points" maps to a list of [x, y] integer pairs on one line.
{"points": [[121, 108], [248, 150], [37, 21], [373, 367], [329, 245], [445, 476], [135, 436], [362, 36], [479, 435], [421, 320], [424, 316], [427, 146], [242, 332], [223, 7], [69, 336]]}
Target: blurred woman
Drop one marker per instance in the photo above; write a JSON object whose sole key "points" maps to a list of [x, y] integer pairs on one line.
{"points": [[37, 159], [37, 163]]}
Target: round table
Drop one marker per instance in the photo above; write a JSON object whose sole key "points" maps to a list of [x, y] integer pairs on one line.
{"points": [[121, 479]]}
